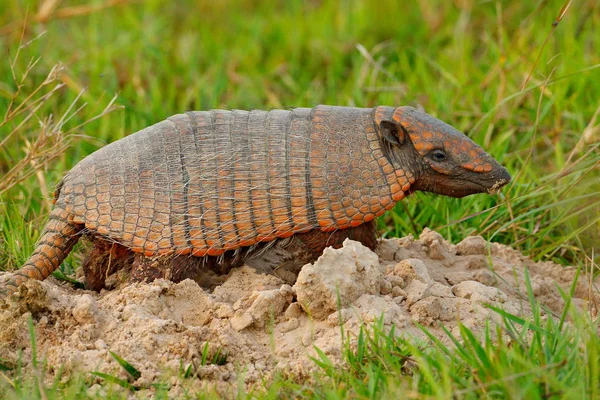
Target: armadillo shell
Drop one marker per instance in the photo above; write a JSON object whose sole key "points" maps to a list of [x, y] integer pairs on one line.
{"points": [[202, 183]]}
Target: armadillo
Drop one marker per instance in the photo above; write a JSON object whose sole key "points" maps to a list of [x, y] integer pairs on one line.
{"points": [[209, 183]]}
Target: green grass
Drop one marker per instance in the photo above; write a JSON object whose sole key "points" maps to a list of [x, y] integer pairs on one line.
{"points": [[465, 62]]}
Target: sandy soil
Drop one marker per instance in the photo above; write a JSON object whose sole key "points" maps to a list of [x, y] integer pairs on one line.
{"points": [[265, 325]]}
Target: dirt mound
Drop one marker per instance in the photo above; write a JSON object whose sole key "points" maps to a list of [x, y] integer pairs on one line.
{"points": [[264, 325]]}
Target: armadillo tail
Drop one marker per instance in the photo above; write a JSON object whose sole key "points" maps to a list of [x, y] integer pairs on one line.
{"points": [[57, 240]]}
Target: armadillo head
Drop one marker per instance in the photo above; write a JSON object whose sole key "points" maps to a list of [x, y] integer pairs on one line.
{"points": [[443, 160]]}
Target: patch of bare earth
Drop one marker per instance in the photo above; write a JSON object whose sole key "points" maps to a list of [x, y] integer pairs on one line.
{"points": [[265, 325]]}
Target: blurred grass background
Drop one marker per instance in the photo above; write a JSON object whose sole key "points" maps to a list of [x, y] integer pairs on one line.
{"points": [[471, 63]]}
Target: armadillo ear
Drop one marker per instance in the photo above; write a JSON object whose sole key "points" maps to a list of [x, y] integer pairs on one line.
{"points": [[392, 132]]}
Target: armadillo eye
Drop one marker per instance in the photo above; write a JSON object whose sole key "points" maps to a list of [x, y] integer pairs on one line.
{"points": [[438, 155]]}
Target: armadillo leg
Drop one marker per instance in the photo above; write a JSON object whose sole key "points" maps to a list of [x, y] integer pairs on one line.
{"points": [[175, 269], [316, 241], [147, 269], [178, 268], [103, 260], [57, 240]]}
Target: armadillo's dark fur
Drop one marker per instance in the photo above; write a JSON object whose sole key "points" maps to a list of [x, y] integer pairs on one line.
{"points": [[210, 183]]}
